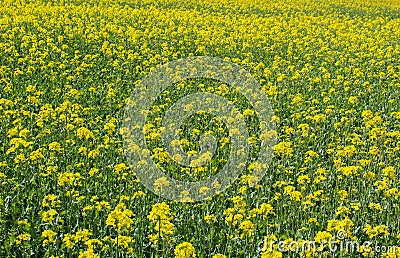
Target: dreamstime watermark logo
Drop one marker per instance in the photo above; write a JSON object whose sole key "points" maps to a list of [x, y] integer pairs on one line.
{"points": [[339, 244], [146, 93]]}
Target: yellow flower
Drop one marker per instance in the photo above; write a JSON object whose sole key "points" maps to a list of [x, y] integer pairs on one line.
{"points": [[209, 218], [50, 237], [68, 178], [389, 172], [352, 100], [84, 133], [159, 211], [340, 225], [120, 217], [94, 153], [375, 206], [161, 183], [82, 235], [313, 220], [123, 241], [69, 241], [88, 254], [347, 151], [22, 237], [284, 149], [323, 236], [392, 192], [291, 191], [247, 227], [36, 155], [93, 171], [248, 112], [297, 99], [303, 179], [184, 250], [55, 146], [219, 256], [48, 216], [110, 127], [350, 170], [102, 205], [50, 200], [342, 210], [343, 194], [160, 214], [373, 232], [120, 167]]}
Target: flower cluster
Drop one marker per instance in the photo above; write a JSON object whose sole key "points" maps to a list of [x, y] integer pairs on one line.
{"points": [[68, 70]]}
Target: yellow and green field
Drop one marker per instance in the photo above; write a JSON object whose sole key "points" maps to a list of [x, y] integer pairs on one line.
{"points": [[331, 71]]}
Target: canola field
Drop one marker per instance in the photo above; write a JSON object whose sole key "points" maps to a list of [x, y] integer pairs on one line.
{"points": [[330, 69]]}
